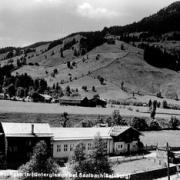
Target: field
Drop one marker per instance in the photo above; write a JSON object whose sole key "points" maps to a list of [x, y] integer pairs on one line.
{"points": [[40, 108], [11, 111], [136, 166], [16, 111], [160, 138]]}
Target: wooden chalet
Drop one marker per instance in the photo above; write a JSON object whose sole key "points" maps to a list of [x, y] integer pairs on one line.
{"points": [[18, 139]]}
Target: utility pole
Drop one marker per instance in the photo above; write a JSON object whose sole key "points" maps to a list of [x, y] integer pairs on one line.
{"points": [[167, 149]]}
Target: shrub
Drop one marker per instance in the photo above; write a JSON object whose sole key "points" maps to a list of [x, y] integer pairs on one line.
{"points": [[174, 122], [122, 47], [154, 125], [165, 104], [55, 71], [101, 80], [159, 95], [139, 124], [31, 64], [94, 163], [117, 119], [41, 161], [93, 89], [153, 113], [84, 88]]}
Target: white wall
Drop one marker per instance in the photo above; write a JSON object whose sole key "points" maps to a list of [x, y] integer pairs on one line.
{"points": [[122, 147], [66, 154]]}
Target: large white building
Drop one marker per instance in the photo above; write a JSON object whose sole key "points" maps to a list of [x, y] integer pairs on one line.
{"points": [[18, 139], [118, 140]]}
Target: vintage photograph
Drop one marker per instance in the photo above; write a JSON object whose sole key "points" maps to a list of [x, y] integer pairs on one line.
{"points": [[89, 90]]}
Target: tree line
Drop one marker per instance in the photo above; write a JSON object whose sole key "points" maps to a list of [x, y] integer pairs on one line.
{"points": [[12, 84], [161, 58]]}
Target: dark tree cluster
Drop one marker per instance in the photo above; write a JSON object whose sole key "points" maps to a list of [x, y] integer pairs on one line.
{"points": [[55, 43], [161, 58], [68, 45], [92, 40], [165, 20], [12, 83]]}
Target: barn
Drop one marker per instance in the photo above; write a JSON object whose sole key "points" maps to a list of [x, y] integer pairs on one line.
{"points": [[82, 101]]}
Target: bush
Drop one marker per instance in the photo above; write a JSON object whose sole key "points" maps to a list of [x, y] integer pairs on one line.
{"points": [[174, 122], [165, 105], [117, 119], [93, 89], [159, 95], [41, 161], [154, 125], [139, 124], [94, 163], [84, 88]]}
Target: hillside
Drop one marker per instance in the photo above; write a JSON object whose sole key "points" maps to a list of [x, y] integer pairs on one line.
{"points": [[115, 54], [115, 66], [164, 21]]}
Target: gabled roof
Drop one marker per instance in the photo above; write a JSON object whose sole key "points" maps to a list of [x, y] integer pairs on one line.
{"points": [[80, 133], [118, 130], [25, 129]]}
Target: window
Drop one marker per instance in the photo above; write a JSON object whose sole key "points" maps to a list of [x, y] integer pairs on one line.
{"points": [[58, 148], [89, 146], [120, 146], [106, 145], [71, 147], [65, 147]]}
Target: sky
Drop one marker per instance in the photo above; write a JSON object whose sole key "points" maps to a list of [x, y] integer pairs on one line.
{"points": [[23, 22]]}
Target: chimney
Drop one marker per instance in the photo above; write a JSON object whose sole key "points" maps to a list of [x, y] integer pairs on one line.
{"points": [[32, 128]]}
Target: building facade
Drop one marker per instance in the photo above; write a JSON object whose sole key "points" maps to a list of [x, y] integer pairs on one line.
{"points": [[118, 140], [17, 140]]}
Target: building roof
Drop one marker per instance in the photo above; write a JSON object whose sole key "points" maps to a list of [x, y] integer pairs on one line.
{"points": [[118, 130], [80, 133], [73, 98], [88, 133], [46, 96], [25, 129]]}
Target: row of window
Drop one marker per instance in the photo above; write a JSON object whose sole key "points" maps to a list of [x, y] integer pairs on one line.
{"points": [[64, 147], [120, 146]]}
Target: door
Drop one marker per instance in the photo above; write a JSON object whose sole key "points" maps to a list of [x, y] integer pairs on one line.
{"points": [[128, 148]]}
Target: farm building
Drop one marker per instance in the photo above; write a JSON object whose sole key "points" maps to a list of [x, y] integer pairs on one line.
{"points": [[118, 140], [79, 101], [72, 101], [18, 139]]}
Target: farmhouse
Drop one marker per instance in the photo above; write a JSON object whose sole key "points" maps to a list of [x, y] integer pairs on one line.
{"points": [[80, 101], [118, 140], [18, 139]]}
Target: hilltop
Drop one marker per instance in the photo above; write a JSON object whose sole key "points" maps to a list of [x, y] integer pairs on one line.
{"points": [[115, 54]]}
